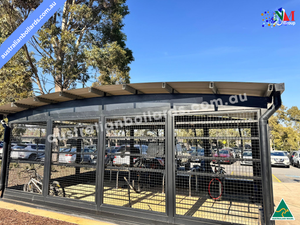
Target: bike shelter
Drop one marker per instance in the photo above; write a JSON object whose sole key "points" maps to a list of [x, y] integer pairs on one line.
{"points": [[175, 139]]}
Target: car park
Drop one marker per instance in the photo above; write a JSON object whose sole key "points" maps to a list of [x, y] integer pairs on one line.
{"points": [[296, 159], [30, 152], [246, 156], [279, 158]]}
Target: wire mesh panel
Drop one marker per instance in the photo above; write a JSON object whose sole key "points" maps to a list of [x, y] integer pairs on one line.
{"points": [[218, 173], [135, 163], [74, 158], [27, 155]]}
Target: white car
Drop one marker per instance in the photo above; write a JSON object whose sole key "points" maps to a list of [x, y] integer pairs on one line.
{"points": [[122, 154], [279, 158], [69, 155], [31, 152], [296, 159], [247, 155]]}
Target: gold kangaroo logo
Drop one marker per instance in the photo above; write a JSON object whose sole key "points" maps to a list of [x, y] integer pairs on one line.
{"points": [[284, 212]]}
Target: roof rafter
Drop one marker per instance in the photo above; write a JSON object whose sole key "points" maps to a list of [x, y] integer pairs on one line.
{"points": [[69, 95], [44, 100], [131, 90], [6, 112], [214, 88], [269, 90], [169, 88], [96, 91], [19, 105]]}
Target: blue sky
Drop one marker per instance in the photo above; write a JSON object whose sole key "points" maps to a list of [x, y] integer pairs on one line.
{"points": [[197, 40]]}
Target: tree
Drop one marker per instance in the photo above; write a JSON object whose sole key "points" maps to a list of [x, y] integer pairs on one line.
{"points": [[15, 83], [285, 133], [83, 35]]}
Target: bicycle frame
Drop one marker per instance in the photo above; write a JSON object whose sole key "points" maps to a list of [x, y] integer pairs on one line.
{"points": [[36, 183]]}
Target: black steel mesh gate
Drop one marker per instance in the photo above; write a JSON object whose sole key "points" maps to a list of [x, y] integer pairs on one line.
{"points": [[216, 158], [218, 174], [135, 163]]}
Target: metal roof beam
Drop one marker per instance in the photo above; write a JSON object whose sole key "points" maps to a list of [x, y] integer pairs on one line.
{"points": [[96, 91], [6, 112], [19, 105], [44, 100], [169, 88], [269, 90], [214, 88], [131, 89], [69, 95]]}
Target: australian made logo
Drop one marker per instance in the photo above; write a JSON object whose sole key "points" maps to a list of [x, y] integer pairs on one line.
{"points": [[282, 212], [278, 18]]}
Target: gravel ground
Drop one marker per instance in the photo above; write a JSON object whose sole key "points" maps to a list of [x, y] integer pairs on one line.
{"points": [[8, 217]]}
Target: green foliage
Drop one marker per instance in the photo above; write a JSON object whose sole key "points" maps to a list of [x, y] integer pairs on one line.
{"points": [[285, 129], [82, 35], [15, 75]]}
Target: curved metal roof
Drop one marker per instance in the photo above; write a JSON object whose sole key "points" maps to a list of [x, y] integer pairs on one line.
{"points": [[222, 88]]}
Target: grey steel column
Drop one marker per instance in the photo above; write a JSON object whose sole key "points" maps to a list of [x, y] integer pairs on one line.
{"points": [[48, 158], [170, 169], [100, 163]]}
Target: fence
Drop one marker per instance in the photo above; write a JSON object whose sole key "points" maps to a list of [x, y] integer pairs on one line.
{"points": [[207, 164]]}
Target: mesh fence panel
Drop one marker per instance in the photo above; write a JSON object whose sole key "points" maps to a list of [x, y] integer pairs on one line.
{"points": [[27, 154], [74, 158], [135, 163], [218, 174]]}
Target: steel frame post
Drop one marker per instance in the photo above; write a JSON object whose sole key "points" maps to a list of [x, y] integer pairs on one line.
{"points": [[170, 169], [100, 163], [48, 159], [5, 158]]}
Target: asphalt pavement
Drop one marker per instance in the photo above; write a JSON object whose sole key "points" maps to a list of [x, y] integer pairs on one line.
{"points": [[286, 175]]}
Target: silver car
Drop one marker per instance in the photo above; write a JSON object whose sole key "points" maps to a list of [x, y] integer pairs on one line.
{"points": [[69, 155], [31, 152]]}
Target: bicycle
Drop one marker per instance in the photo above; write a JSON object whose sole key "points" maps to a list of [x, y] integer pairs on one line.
{"points": [[215, 186], [35, 184]]}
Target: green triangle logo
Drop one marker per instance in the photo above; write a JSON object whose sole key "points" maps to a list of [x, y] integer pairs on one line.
{"points": [[282, 212]]}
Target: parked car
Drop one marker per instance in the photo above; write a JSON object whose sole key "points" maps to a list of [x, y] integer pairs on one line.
{"points": [[122, 154], [69, 155], [238, 152], [287, 153], [31, 152], [181, 152], [247, 155], [296, 159], [291, 156], [278, 158], [108, 158], [224, 153]]}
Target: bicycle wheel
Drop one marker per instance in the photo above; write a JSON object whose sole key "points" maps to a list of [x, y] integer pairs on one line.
{"points": [[56, 189], [215, 189]]}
